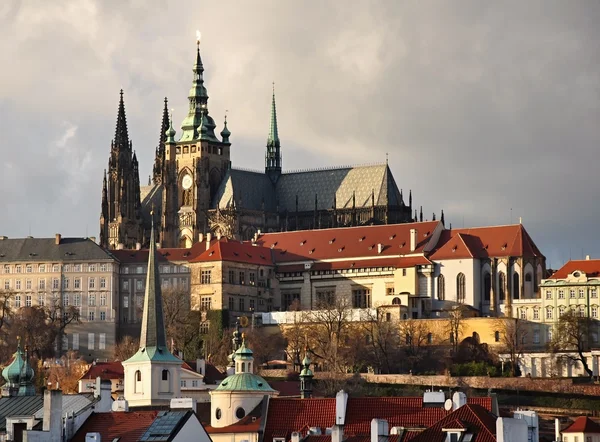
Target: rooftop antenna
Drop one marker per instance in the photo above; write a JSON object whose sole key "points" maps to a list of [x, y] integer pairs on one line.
{"points": [[511, 215]]}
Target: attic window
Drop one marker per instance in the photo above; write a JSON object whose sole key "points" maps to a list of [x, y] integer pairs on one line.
{"points": [[425, 235], [274, 244], [262, 256], [341, 249], [353, 264], [371, 247], [302, 242], [248, 255], [311, 251], [504, 246], [485, 247], [575, 274], [454, 248], [332, 240], [31, 254], [403, 244], [361, 239], [211, 253], [393, 236]]}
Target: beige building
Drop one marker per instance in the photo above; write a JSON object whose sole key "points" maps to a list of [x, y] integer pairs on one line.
{"points": [[62, 272], [238, 277]]}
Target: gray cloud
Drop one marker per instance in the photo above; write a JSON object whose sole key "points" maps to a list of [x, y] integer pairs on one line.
{"points": [[482, 107]]}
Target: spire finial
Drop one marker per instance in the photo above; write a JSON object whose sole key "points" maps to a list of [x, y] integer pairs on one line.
{"points": [[198, 36]]}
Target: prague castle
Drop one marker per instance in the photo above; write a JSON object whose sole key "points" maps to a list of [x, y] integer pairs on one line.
{"points": [[195, 190]]}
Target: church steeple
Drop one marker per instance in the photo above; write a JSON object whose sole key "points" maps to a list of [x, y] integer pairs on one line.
{"points": [[159, 158], [273, 157]]}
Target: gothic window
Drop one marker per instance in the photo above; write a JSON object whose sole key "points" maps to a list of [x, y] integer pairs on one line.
{"points": [[487, 287], [460, 288], [441, 288], [516, 286], [501, 286]]}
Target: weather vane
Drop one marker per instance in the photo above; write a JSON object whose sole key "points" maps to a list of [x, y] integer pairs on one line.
{"points": [[198, 35]]}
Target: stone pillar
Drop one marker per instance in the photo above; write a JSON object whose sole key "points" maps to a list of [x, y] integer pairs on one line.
{"points": [[494, 281]]}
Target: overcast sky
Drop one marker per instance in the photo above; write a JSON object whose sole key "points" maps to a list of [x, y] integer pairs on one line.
{"points": [[482, 106]]}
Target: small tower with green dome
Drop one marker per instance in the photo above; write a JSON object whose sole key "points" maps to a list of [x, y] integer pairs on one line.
{"points": [[306, 376], [19, 375], [239, 393]]}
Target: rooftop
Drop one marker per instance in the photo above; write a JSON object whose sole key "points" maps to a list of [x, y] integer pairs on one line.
{"points": [[47, 249], [591, 268], [123, 426], [583, 424]]}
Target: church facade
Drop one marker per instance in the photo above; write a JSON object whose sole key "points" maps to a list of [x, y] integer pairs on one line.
{"points": [[195, 190]]}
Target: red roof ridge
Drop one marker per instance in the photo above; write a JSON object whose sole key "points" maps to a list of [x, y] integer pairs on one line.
{"points": [[291, 232], [583, 424]]}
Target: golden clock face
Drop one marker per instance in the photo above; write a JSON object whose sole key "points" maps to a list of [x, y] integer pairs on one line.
{"points": [[186, 182]]}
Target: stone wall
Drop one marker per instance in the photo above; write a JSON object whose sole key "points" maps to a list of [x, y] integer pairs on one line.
{"points": [[550, 385]]}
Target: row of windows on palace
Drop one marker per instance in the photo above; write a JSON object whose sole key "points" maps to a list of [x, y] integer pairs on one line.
{"points": [[238, 277], [72, 341], [43, 268], [103, 267], [523, 312], [28, 284]]}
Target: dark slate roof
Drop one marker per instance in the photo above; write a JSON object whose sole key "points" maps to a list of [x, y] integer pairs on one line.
{"points": [[166, 425], [46, 249], [18, 406], [249, 189]]}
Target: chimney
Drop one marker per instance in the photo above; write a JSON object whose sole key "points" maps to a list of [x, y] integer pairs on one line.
{"points": [[53, 414], [208, 238], [557, 429], [201, 366], [57, 239], [295, 436], [103, 391], [341, 399], [587, 257], [413, 240], [379, 248], [337, 433], [138, 245], [458, 400], [200, 237], [183, 403], [379, 428]]}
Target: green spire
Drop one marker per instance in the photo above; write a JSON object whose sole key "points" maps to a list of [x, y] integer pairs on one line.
{"points": [[153, 339], [306, 376], [273, 157], [225, 134], [198, 99]]}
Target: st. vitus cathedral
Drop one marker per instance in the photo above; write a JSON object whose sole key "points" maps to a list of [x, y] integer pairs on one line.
{"points": [[195, 190]]}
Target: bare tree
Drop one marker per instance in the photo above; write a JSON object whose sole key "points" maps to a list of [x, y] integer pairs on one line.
{"points": [[126, 348], [265, 346], [60, 316], [571, 335], [32, 326], [513, 337], [455, 325], [6, 297], [415, 333], [296, 340], [383, 340], [328, 331]]}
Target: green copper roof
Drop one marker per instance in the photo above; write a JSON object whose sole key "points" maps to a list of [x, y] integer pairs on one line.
{"points": [[198, 99], [243, 353], [244, 382], [19, 374], [306, 371], [273, 133], [170, 133], [153, 339]]}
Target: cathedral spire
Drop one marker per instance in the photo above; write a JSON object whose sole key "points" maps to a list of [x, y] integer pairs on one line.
{"points": [[159, 158], [198, 100], [273, 157], [121, 135]]}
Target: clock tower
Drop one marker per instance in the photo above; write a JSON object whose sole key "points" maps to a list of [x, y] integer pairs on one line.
{"points": [[193, 169]]}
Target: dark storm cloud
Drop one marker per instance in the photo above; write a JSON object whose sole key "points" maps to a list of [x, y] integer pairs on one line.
{"points": [[482, 106]]}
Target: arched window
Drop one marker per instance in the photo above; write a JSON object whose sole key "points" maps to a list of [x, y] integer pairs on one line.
{"points": [[487, 287], [441, 288], [501, 286], [137, 387], [516, 286], [528, 277], [460, 288], [497, 336], [396, 301], [165, 375], [138, 376], [243, 367]]}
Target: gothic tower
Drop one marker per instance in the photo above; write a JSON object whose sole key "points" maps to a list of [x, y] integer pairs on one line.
{"points": [[193, 168], [159, 158], [273, 156], [120, 220]]}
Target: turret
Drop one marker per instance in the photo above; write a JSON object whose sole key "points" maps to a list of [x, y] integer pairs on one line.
{"points": [[306, 376]]}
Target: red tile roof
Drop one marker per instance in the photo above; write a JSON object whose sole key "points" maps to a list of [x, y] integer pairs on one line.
{"points": [[127, 426], [128, 256], [583, 424], [247, 424], [106, 371], [484, 242], [236, 251], [288, 415], [590, 267], [347, 242], [476, 419], [212, 375]]}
